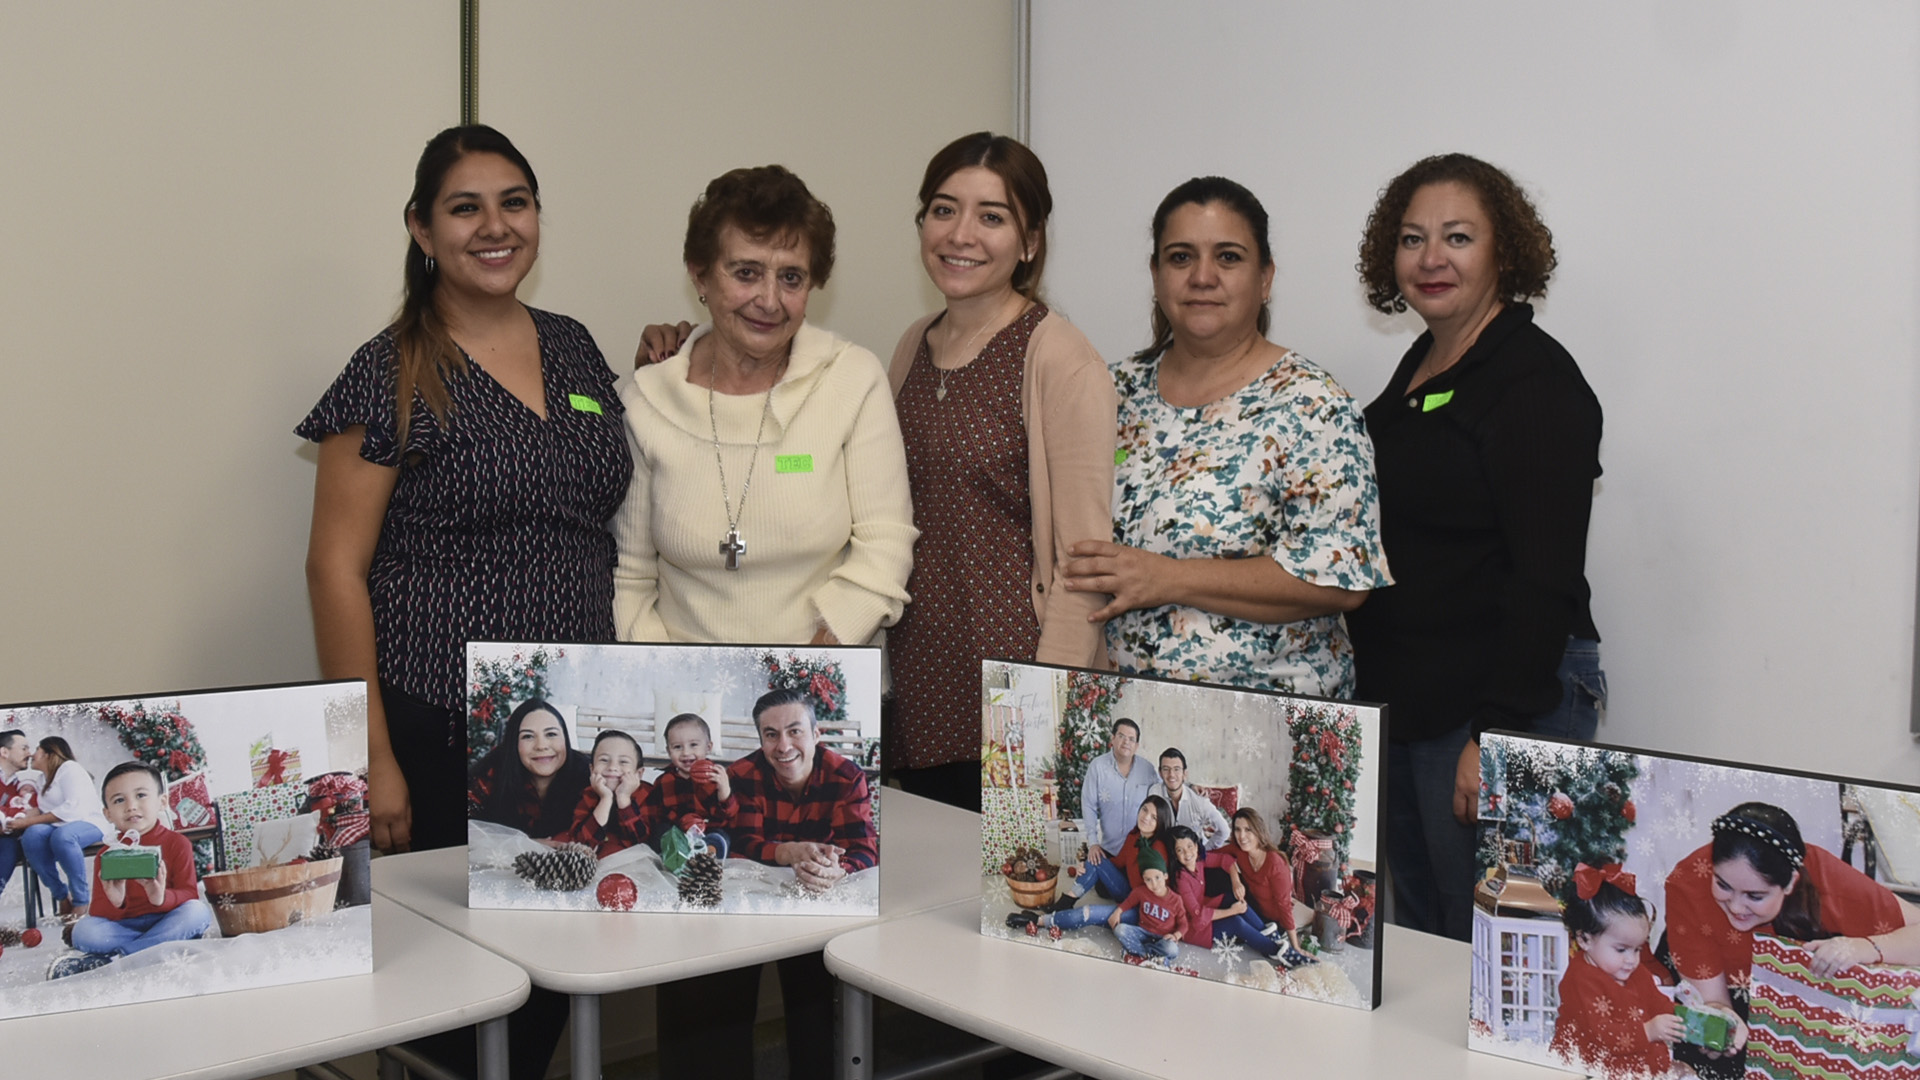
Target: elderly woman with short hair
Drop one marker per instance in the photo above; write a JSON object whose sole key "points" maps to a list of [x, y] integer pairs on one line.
{"points": [[769, 497], [769, 504]]}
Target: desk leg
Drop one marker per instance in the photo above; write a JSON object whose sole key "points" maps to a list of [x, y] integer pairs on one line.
{"points": [[856, 1032], [492, 1036], [586, 1037]]}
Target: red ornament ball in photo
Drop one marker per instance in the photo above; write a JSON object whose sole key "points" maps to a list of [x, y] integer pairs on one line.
{"points": [[31, 939], [617, 892], [1627, 811], [1560, 806]]}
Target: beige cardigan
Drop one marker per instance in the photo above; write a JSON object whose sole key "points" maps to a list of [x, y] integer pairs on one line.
{"points": [[1069, 406]]}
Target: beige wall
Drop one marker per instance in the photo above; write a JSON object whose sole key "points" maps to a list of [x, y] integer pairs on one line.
{"points": [[202, 205], [203, 209], [627, 110]]}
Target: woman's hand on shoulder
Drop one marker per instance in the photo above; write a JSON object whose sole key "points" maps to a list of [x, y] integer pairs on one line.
{"points": [[1132, 577], [659, 341]]}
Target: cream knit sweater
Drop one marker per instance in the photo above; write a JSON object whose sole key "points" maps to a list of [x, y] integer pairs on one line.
{"points": [[828, 523]]}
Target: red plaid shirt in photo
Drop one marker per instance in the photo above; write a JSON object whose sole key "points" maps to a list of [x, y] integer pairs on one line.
{"points": [[675, 797], [624, 828], [833, 808], [526, 803]]}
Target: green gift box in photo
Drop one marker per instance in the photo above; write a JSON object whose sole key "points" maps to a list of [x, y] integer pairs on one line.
{"points": [[129, 864]]}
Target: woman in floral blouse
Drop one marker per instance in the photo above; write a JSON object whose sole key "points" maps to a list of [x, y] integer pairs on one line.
{"points": [[1245, 514]]}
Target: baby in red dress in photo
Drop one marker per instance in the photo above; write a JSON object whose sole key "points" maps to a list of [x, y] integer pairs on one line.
{"points": [[1613, 1018]]}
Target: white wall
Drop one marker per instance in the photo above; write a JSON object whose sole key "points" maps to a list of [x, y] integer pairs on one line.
{"points": [[1732, 188]]}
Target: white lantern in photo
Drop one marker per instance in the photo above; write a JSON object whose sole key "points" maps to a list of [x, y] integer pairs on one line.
{"points": [[1519, 955]]}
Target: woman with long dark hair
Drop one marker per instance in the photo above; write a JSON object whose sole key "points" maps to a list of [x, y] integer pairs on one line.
{"points": [[1758, 875], [471, 456], [534, 778], [70, 819]]}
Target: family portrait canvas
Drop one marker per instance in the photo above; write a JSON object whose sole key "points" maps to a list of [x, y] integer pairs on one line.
{"points": [[1641, 915], [182, 844], [737, 779], [1206, 831]]}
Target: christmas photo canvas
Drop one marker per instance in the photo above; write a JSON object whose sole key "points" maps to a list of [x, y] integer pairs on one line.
{"points": [[1215, 832], [1642, 915], [726, 778], [182, 844]]}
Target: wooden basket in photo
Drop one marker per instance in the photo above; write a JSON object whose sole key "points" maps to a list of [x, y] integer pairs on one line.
{"points": [[1033, 894], [262, 898]]}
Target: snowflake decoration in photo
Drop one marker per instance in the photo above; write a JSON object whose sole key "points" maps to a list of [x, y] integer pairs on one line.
{"points": [[1086, 727], [496, 688], [821, 680], [1562, 805], [1323, 772]]}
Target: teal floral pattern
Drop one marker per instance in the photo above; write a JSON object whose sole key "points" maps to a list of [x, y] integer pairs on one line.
{"points": [[1283, 468]]}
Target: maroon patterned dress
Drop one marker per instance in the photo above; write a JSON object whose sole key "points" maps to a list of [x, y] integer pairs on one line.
{"points": [[972, 567]]}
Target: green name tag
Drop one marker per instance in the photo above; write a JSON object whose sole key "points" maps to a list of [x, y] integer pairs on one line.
{"points": [[1434, 401], [1120, 456], [793, 463], [583, 403]]}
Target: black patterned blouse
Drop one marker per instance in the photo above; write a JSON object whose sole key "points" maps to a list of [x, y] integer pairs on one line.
{"points": [[497, 528]]}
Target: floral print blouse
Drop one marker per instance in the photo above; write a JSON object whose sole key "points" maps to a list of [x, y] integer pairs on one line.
{"points": [[1282, 467]]}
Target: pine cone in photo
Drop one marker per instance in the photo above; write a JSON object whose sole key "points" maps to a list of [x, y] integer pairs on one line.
{"points": [[700, 881], [563, 869], [323, 851]]}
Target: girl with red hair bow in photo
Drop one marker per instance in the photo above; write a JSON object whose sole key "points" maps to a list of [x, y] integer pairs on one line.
{"points": [[1613, 1018]]}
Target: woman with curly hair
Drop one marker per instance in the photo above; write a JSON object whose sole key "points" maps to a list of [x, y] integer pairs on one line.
{"points": [[1487, 444]]}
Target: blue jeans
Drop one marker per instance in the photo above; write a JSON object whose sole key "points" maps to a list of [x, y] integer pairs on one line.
{"points": [[119, 937], [1244, 927], [53, 848], [9, 857], [1106, 879], [1091, 915], [1431, 857], [1583, 694], [1140, 943]]}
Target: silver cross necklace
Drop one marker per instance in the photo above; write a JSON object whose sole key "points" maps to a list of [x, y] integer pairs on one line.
{"points": [[732, 546]]}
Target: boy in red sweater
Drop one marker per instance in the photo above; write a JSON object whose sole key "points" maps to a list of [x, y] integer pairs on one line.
{"points": [[131, 914], [1163, 917], [695, 790], [611, 816]]}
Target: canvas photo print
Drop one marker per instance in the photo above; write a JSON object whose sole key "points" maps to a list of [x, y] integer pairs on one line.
{"points": [[182, 844], [1644, 915], [630, 777], [1207, 831]]}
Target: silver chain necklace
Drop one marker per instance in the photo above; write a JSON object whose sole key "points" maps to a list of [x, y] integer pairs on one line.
{"points": [[733, 547]]}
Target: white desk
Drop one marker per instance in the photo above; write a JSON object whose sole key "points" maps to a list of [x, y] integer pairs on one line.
{"points": [[1117, 1021], [929, 856], [425, 980]]}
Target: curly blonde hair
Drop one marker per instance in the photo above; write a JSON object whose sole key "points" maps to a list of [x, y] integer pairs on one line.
{"points": [[1522, 243]]}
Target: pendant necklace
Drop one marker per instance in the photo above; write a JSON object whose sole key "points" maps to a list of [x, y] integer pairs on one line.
{"points": [[940, 392], [732, 546]]}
